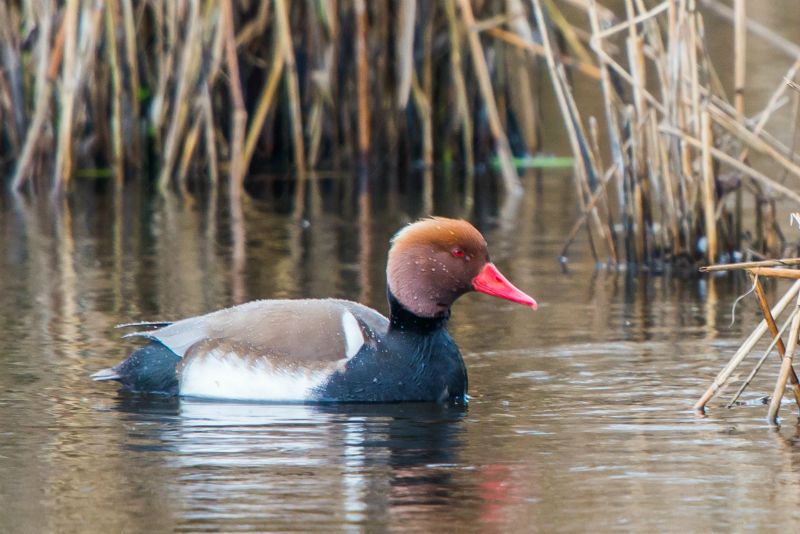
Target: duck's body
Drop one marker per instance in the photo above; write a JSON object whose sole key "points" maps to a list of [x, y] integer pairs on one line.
{"points": [[330, 350]]}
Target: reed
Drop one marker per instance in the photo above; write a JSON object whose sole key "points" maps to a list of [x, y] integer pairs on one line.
{"points": [[219, 89], [686, 158], [155, 83]]}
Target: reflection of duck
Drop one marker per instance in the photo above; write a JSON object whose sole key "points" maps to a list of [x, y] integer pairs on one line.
{"points": [[313, 467], [332, 350]]}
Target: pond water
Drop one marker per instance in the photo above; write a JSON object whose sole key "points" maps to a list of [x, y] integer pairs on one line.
{"points": [[580, 415]]}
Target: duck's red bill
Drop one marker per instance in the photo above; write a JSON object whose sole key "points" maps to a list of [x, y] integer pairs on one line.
{"points": [[492, 282]]}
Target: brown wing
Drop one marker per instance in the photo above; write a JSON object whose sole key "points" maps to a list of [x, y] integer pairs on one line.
{"points": [[302, 331]]}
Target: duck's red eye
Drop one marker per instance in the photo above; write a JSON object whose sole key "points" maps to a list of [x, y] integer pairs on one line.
{"points": [[458, 252]]}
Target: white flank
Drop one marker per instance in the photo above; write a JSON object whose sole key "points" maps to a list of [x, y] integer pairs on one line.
{"points": [[224, 375], [353, 337]]}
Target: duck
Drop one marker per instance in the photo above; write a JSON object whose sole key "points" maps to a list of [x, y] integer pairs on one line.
{"points": [[331, 350]]}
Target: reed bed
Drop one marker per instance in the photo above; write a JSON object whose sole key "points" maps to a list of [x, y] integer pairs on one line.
{"points": [[785, 269], [211, 90], [195, 89], [682, 150]]}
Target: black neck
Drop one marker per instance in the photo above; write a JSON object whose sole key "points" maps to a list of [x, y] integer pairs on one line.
{"points": [[402, 319]]}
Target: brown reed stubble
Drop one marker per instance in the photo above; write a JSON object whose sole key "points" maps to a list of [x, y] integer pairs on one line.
{"points": [[343, 97]]}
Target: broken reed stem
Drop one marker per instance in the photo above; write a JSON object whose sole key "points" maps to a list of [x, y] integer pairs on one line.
{"points": [[786, 262], [791, 274], [775, 340], [773, 329], [744, 349], [786, 367]]}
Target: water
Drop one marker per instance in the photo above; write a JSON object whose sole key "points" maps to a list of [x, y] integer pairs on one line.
{"points": [[580, 418], [580, 415]]}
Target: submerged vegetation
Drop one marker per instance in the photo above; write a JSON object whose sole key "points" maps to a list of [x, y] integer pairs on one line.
{"points": [[211, 91]]}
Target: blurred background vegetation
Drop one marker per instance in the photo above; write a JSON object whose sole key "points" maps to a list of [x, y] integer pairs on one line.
{"points": [[668, 160]]}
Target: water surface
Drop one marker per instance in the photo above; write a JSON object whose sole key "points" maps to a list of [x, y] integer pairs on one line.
{"points": [[580, 414]]}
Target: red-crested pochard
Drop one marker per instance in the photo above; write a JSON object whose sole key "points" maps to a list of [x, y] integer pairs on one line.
{"points": [[332, 350]]}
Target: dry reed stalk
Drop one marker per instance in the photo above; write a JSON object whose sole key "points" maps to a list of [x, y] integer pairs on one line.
{"points": [[786, 262], [744, 349], [129, 26], [323, 81], [567, 31], [522, 93], [608, 229], [163, 64], [237, 169], [632, 21], [708, 187], [666, 173], [112, 23], [405, 50], [585, 167], [424, 94], [362, 80], [775, 340], [790, 274], [284, 35], [538, 50], [254, 29], [773, 329], [13, 78], [264, 105], [639, 163], [63, 168], [462, 106], [786, 368], [209, 138], [507, 169], [189, 145], [739, 54], [612, 122], [590, 205], [45, 75], [188, 70], [424, 113], [625, 75]]}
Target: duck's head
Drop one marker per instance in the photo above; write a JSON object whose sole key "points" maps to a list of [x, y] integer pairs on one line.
{"points": [[434, 261]]}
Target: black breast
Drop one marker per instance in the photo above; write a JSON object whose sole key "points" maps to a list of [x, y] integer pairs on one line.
{"points": [[416, 360]]}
